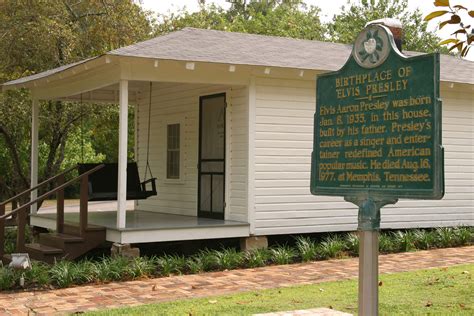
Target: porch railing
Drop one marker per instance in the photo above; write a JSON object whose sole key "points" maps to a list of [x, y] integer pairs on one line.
{"points": [[21, 212]]}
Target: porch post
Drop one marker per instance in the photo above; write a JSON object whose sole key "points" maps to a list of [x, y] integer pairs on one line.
{"points": [[34, 152], [122, 159]]}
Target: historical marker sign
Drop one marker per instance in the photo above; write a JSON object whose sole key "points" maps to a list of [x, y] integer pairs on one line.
{"points": [[377, 126]]}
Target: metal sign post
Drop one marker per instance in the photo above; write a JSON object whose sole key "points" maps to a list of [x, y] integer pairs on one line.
{"points": [[377, 138], [369, 225]]}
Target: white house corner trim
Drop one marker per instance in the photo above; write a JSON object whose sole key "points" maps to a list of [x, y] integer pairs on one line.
{"points": [[252, 95]]}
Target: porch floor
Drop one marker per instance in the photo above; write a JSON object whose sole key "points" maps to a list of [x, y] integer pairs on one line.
{"points": [[145, 226]]}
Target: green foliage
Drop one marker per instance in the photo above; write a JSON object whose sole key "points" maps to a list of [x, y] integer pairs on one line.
{"points": [[8, 278], [405, 240], [307, 248], [141, 267], [331, 247], [425, 239], [464, 235], [65, 273], [40, 35], [352, 243], [282, 254], [386, 243], [446, 236], [208, 259], [353, 17], [227, 259], [257, 258], [170, 264], [195, 265], [38, 275], [278, 18]]}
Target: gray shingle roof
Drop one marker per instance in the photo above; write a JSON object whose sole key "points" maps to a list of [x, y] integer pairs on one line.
{"points": [[212, 46]]}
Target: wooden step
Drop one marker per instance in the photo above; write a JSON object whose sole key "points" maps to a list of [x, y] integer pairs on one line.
{"points": [[36, 247], [44, 253], [59, 240]]}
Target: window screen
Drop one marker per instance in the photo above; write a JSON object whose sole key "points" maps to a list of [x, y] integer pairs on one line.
{"points": [[173, 154]]}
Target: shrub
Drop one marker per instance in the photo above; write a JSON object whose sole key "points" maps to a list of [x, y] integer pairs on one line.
{"points": [[404, 240], [331, 247], [64, 273], [111, 269], [227, 259], [141, 267], [282, 254], [208, 259], [8, 278], [307, 249], [386, 243], [170, 264], [257, 258], [195, 264], [463, 235], [352, 243], [424, 239], [446, 236], [38, 275]]}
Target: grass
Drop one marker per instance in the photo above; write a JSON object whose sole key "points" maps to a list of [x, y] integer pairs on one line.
{"points": [[446, 291]]}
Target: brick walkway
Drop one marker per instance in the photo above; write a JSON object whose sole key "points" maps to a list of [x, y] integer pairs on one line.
{"points": [[132, 293]]}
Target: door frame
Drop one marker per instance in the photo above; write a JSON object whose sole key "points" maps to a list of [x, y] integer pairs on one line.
{"points": [[200, 213]]}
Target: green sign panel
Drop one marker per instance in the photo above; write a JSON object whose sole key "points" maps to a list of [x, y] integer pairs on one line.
{"points": [[377, 126]]}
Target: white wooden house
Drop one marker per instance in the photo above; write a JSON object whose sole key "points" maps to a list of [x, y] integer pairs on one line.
{"points": [[241, 107]]}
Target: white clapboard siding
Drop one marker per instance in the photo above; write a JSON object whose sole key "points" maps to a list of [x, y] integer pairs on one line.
{"points": [[283, 144], [171, 102]]}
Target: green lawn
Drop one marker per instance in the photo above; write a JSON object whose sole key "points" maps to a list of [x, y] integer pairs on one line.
{"points": [[426, 292]]}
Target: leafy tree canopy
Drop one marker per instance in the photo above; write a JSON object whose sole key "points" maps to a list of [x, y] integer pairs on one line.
{"points": [[353, 17], [290, 18]]}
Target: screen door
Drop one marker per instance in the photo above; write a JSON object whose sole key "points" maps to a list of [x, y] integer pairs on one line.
{"points": [[211, 164]]}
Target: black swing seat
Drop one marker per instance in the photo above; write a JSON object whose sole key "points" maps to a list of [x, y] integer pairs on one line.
{"points": [[103, 182]]}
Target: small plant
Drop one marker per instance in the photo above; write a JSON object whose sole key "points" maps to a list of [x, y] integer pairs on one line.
{"points": [[8, 277], [331, 247], [446, 236], [464, 235], [195, 265], [208, 259], [386, 243], [424, 239], [170, 264], [405, 240], [307, 249], [38, 275], [111, 269], [141, 267], [64, 273], [282, 254], [227, 259], [352, 243], [257, 258]]}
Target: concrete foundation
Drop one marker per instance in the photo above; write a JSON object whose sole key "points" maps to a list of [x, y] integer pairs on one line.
{"points": [[253, 242], [125, 250]]}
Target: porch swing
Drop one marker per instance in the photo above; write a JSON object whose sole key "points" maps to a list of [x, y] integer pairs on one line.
{"points": [[103, 182]]}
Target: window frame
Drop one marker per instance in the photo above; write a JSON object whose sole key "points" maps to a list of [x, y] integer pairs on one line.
{"points": [[168, 122]]}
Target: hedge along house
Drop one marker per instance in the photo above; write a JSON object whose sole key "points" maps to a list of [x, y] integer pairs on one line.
{"points": [[231, 130]]}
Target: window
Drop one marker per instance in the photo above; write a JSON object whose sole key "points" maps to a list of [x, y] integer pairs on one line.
{"points": [[173, 151]]}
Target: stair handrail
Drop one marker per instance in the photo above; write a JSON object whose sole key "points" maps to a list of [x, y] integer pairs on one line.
{"points": [[19, 195], [22, 215]]}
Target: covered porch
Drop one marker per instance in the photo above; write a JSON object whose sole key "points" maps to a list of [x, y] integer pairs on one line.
{"points": [[204, 197], [145, 226]]}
